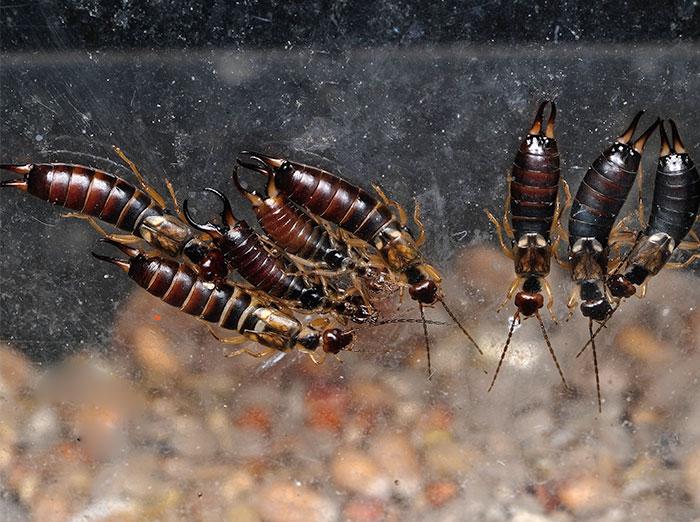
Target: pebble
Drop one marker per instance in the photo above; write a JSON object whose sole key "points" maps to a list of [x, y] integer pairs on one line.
{"points": [[282, 501], [394, 453], [356, 472], [640, 342], [440, 492]]}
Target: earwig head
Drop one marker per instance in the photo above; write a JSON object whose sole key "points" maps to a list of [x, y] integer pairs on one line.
{"points": [[210, 261], [595, 305], [422, 287], [312, 297], [620, 286], [530, 299], [335, 340]]}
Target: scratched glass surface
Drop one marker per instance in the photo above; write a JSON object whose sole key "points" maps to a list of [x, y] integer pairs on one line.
{"points": [[115, 406]]}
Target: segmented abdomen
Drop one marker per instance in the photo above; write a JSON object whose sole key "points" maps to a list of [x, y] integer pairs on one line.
{"points": [[228, 305], [254, 263], [294, 231], [676, 197], [335, 200], [533, 191], [602, 193], [92, 192]]}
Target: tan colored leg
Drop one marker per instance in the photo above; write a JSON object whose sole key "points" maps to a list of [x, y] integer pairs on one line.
{"points": [[550, 299], [562, 232], [265, 353], [640, 200], [509, 295], [506, 210], [684, 264], [173, 197], [148, 188], [499, 232], [403, 218], [124, 239], [420, 240], [573, 301]]}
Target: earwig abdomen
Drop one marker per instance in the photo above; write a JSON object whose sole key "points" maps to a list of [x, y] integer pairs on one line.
{"points": [[334, 199], [298, 234], [676, 197], [91, 192], [534, 186], [603, 191]]}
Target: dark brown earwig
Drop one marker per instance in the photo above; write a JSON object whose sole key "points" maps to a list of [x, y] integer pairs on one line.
{"points": [[534, 185]]}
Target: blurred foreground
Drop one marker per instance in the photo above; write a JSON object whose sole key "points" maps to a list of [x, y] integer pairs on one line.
{"points": [[160, 426]]}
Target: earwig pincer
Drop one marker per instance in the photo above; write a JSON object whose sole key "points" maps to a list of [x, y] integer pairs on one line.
{"points": [[674, 209], [354, 210], [534, 211], [231, 307], [595, 208], [244, 252], [140, 212]]}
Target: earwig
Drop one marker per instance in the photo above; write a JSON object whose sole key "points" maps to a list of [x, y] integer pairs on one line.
{"points": [[674, 209], [351, 208], [534, 185], [596, 206], [597, 203], [99, 194], [244, 252], [293, 230], [309, 242], [230, 306]]}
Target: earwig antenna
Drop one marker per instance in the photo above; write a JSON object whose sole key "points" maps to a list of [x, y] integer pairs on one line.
{"points": [[595, 365], [459, 325], [505, 348], [551, 350], [427, 341], [602, 325], [395, 321]]}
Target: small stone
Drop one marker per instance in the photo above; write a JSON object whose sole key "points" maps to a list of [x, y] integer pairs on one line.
{"points": [[446, 457], [640, 342], [364, 510], [691, 474], [440, 492], [356, 472], [283, 501], [154, 353], [585, 493], [396, 456], [327, 407]]}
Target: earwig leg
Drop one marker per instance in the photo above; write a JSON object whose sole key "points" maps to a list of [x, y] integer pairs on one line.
{"points": [[148, 188], [124, 239], [640, 200], [318, 359], [573, 301], [642, 290], [173, 197], [239, 339], [506, 211], [499, 232], [265, 353], [550, 299], [357, 285], [403, 218], [684, 264], [561, 231], [509, 295], [420, 240]]}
